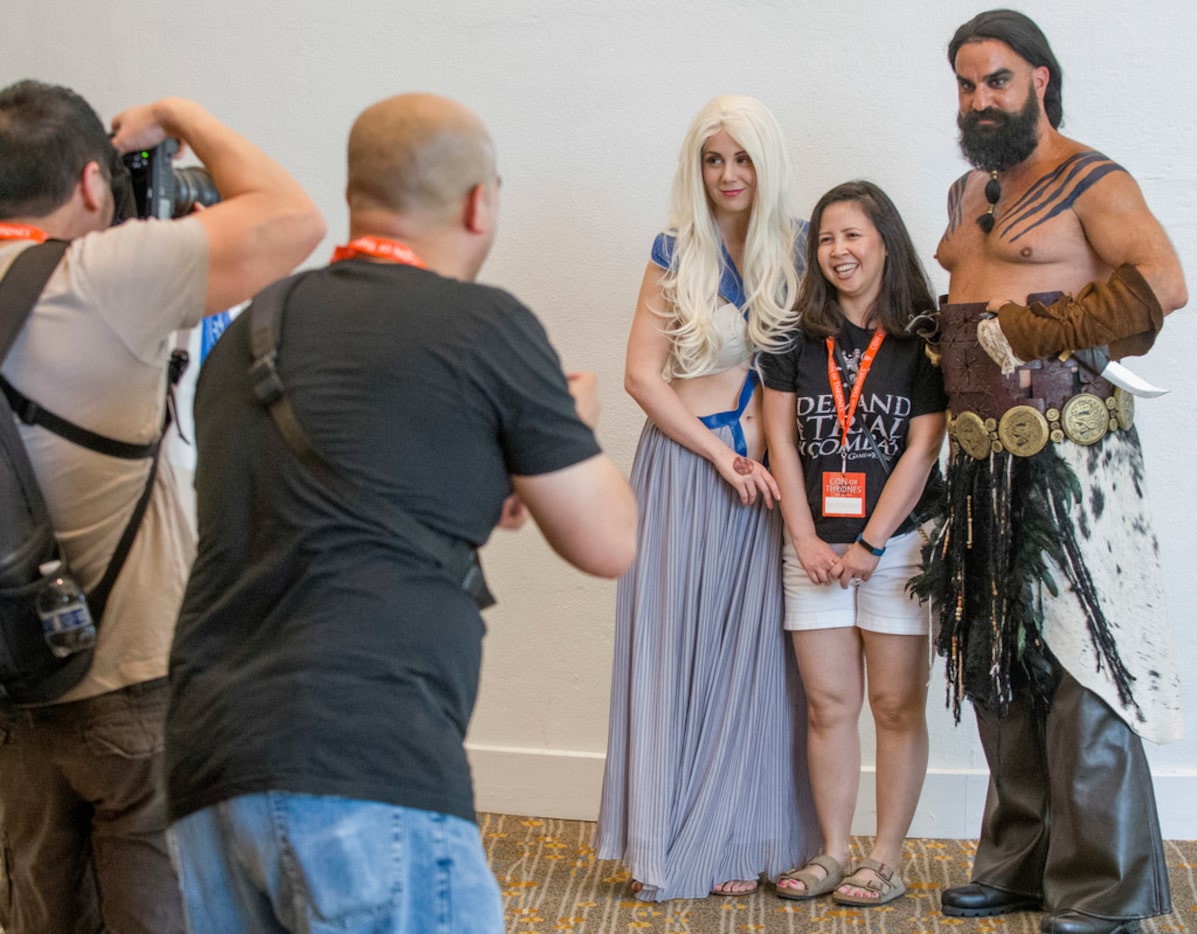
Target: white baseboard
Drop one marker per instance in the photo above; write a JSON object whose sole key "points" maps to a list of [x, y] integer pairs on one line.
{"points": [[536, 782], [567, 785]]}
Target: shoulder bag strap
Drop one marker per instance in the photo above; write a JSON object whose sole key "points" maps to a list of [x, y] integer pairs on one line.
{"points": [[22, 285], [20, 289], [97, 597], [31, 413], [457, 558]]}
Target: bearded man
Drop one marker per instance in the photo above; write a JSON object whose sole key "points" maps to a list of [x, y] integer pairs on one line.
{"points": [[1045, 573]]}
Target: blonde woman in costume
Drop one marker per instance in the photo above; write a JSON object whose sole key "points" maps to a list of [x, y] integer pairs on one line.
{"points": [[705, 787]]}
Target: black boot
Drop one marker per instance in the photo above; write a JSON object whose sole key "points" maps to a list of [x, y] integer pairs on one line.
{"points": [[976, 900]]}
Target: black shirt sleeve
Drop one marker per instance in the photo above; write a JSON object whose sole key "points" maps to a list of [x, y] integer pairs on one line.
{"points": [[539, 427], [927, 393], [780, 370]]}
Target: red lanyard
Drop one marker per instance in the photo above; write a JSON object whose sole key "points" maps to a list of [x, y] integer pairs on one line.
{"points": [[379, 248], [845, 413], [22, 232]]}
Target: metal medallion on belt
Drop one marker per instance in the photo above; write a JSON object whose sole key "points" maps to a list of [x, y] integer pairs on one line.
{"points": [[971, 435], [1023, 430], [1085, 418], [1123, 405]]}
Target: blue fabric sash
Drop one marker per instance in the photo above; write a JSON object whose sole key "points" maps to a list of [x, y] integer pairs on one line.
{"points": [[731, 419]]}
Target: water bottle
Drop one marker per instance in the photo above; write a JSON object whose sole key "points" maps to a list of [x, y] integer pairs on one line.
{"points": [[66, 620]]}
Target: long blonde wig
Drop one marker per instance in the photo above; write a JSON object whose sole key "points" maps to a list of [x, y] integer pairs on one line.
{"points": [[691, 283]]}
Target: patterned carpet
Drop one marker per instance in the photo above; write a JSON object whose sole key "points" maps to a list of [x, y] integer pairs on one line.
{"points": [[552, 884]]}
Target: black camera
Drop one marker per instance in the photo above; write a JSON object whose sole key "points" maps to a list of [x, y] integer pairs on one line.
{"points": [[161, 190]]}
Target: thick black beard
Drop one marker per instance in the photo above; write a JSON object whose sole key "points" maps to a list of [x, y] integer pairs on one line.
{"points": [[1010, 140]]}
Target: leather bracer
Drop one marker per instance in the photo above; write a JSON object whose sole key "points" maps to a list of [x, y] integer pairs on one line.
{"points": [[1122, 313]]}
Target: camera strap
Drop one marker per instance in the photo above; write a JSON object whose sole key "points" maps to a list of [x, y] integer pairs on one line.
{"points": [[457, 558]]}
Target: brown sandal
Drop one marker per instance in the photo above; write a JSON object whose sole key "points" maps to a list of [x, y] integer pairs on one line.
{"points": [[888, 885], [814, 885]]}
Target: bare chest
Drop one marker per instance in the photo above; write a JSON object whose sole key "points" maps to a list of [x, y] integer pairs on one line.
{"points": [[1028, 250], [1037, 243]]}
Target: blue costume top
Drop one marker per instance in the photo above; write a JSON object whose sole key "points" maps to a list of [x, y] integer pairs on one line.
{"points": [[733, 349]]}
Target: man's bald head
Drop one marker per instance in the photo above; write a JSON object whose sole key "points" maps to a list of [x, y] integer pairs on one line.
{"points": [[417, 154]]}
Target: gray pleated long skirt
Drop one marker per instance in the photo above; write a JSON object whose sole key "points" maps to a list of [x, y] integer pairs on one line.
{"points": [[705, 776]]}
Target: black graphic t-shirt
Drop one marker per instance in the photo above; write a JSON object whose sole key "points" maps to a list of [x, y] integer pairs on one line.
{"points": [[901, 384]]}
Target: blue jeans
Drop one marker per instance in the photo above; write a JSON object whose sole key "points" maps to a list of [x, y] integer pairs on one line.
{"points": [[280, 861]]}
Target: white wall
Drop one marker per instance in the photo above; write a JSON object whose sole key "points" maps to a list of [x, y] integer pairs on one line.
{"points": [[588, 103]]}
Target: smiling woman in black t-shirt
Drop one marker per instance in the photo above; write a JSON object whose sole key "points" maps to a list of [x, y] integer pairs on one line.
{"points": [[854, 415]]}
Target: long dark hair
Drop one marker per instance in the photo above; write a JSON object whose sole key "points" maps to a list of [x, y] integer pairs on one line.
{"points": [[1022, 35], [905, 291]]}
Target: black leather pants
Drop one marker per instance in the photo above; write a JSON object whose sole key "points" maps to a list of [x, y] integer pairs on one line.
{"points": [[1070, 816]]}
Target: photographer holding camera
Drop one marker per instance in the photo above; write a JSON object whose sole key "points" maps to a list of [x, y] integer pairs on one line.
{"points": [[82, 813]]}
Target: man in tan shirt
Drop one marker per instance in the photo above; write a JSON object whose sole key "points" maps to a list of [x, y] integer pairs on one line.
{"points": [[82, 807]]}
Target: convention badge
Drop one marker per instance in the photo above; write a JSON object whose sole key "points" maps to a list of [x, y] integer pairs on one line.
{"points": [[1085, 418], [1023, 430], [1123, 407], [970, 433], [843, 495]]}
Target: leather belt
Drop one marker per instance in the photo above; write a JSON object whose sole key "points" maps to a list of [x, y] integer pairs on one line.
{"points": [[1023, 430]]}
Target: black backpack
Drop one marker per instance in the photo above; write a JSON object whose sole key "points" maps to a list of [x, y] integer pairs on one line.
{"points": [[29, 672]]}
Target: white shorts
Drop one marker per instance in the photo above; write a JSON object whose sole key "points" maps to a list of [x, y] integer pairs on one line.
{"points": [[880, 604]]}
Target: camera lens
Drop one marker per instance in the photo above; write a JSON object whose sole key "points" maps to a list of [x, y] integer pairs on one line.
{"points": [[193, 185]]}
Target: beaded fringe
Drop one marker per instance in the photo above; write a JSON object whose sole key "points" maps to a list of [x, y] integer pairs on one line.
{"points": [[1005, 522]]}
